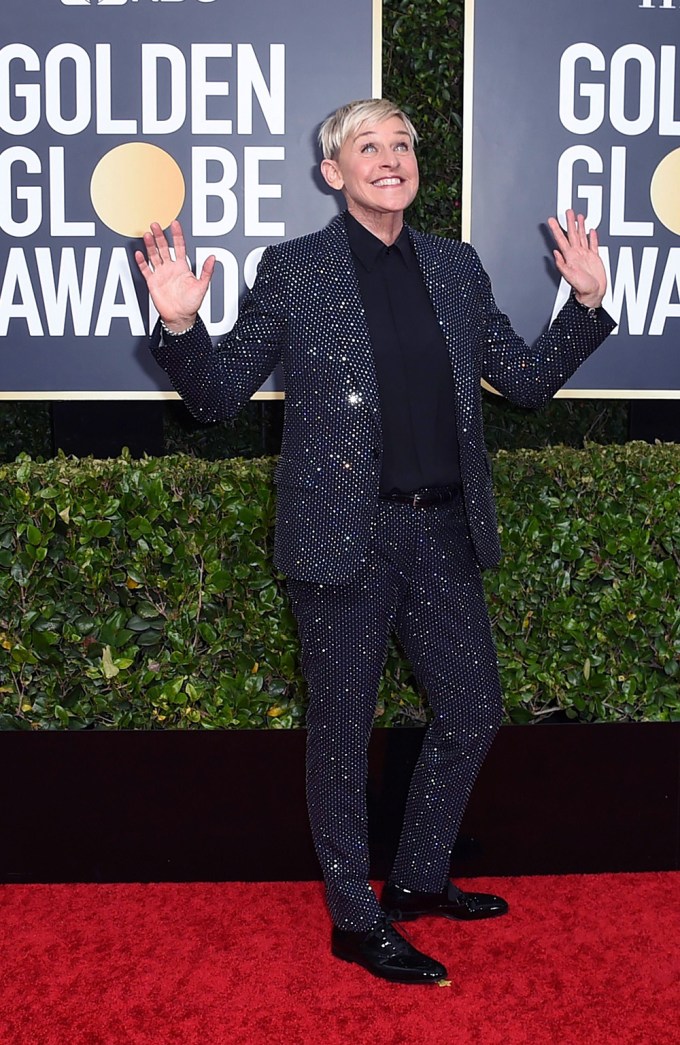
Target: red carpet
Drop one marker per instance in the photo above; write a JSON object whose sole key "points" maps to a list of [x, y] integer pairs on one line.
{"points": [[580, 960]]}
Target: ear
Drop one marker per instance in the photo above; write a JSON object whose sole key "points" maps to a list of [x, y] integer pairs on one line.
{"points": [[331, 174]]}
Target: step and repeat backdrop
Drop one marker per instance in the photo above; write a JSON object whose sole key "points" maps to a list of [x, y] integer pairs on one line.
{"points": [[578, 104], [117, 112]]}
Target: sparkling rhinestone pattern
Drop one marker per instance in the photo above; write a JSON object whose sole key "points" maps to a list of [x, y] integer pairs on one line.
{"points": [[419, 577], [305, 311]]}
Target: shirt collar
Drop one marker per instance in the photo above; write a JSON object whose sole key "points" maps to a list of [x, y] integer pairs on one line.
{"points": [[367, 248]]}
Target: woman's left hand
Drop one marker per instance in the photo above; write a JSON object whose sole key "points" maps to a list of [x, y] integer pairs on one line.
{"points": [[578, 261]]}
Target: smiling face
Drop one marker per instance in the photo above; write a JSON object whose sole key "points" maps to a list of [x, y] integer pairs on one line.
{"points": [[377, 171]]}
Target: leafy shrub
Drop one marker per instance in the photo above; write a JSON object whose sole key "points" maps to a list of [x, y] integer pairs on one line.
{"points": [[141, 594], [423, 74], [586, 602]]}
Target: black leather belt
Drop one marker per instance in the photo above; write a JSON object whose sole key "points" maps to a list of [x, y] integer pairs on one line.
{"points": [[426, 497]]}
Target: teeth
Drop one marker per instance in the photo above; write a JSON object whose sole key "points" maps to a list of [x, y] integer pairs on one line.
{"points": [[388, 181]]}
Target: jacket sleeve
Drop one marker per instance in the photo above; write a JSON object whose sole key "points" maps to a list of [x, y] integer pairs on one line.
{"points": [[215, 381], [530, 375]]}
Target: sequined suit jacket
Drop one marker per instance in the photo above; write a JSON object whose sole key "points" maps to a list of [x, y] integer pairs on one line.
{"points": [[305, 311]]}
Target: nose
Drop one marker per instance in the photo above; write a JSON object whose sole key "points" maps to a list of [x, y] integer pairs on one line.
{"points": [[390, 159]]}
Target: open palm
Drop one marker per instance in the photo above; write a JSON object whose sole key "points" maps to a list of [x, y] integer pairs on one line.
{"points": [[578, 261], [175, 291]]}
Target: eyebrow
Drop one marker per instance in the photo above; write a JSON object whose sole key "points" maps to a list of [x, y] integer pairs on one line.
{"points": [[363, 134]]}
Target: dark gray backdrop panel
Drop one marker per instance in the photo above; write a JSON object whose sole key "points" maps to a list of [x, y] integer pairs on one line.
{"points": [[328, 62], [517, 139]]}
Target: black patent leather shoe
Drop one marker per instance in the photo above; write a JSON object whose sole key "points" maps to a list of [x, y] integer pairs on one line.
{"points": [[404, 905], [385, 953]]}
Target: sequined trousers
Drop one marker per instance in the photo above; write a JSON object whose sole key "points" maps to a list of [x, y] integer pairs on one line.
{"points": [[419, 579]]}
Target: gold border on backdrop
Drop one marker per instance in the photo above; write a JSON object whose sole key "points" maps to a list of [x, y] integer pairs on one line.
{"points": [[160, 394], [577, 393], [468, 65], [468, 102], [603, 393], [376, 91], [377, 49]]}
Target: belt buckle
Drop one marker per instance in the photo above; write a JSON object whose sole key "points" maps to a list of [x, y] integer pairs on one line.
{"points": [[416, 500]]}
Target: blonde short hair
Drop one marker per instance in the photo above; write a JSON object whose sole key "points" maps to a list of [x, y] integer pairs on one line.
{"points": [[346, 120]]}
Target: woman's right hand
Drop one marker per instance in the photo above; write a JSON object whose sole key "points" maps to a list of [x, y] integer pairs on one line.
{"points": [[175, 291]]}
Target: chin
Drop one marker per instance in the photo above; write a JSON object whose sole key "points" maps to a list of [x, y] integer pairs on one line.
{"points": [[393, 203]]}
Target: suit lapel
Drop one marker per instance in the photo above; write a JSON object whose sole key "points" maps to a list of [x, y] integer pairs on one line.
{"points": [[444, 289], [339, 287], [446, 292], [439, 280]]}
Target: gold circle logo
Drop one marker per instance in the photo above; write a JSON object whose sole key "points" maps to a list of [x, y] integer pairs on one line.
{"points": [[135, 184], [665, 191]]}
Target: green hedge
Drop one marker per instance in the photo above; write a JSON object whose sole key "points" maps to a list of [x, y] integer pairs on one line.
{"points": [[141, 594], [423, 73]]}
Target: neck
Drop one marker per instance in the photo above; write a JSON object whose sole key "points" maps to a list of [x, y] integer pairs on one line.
{"points": [[385, 226]]}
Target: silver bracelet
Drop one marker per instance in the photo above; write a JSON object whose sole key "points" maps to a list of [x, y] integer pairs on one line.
{"points": [[177, 333]]}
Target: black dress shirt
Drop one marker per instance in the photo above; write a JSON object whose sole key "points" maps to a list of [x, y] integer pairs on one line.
{"points": [[415, 381]]}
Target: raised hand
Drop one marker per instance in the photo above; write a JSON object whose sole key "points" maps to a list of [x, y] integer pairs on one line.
{"points": [[578, 261], [176, 292]]}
